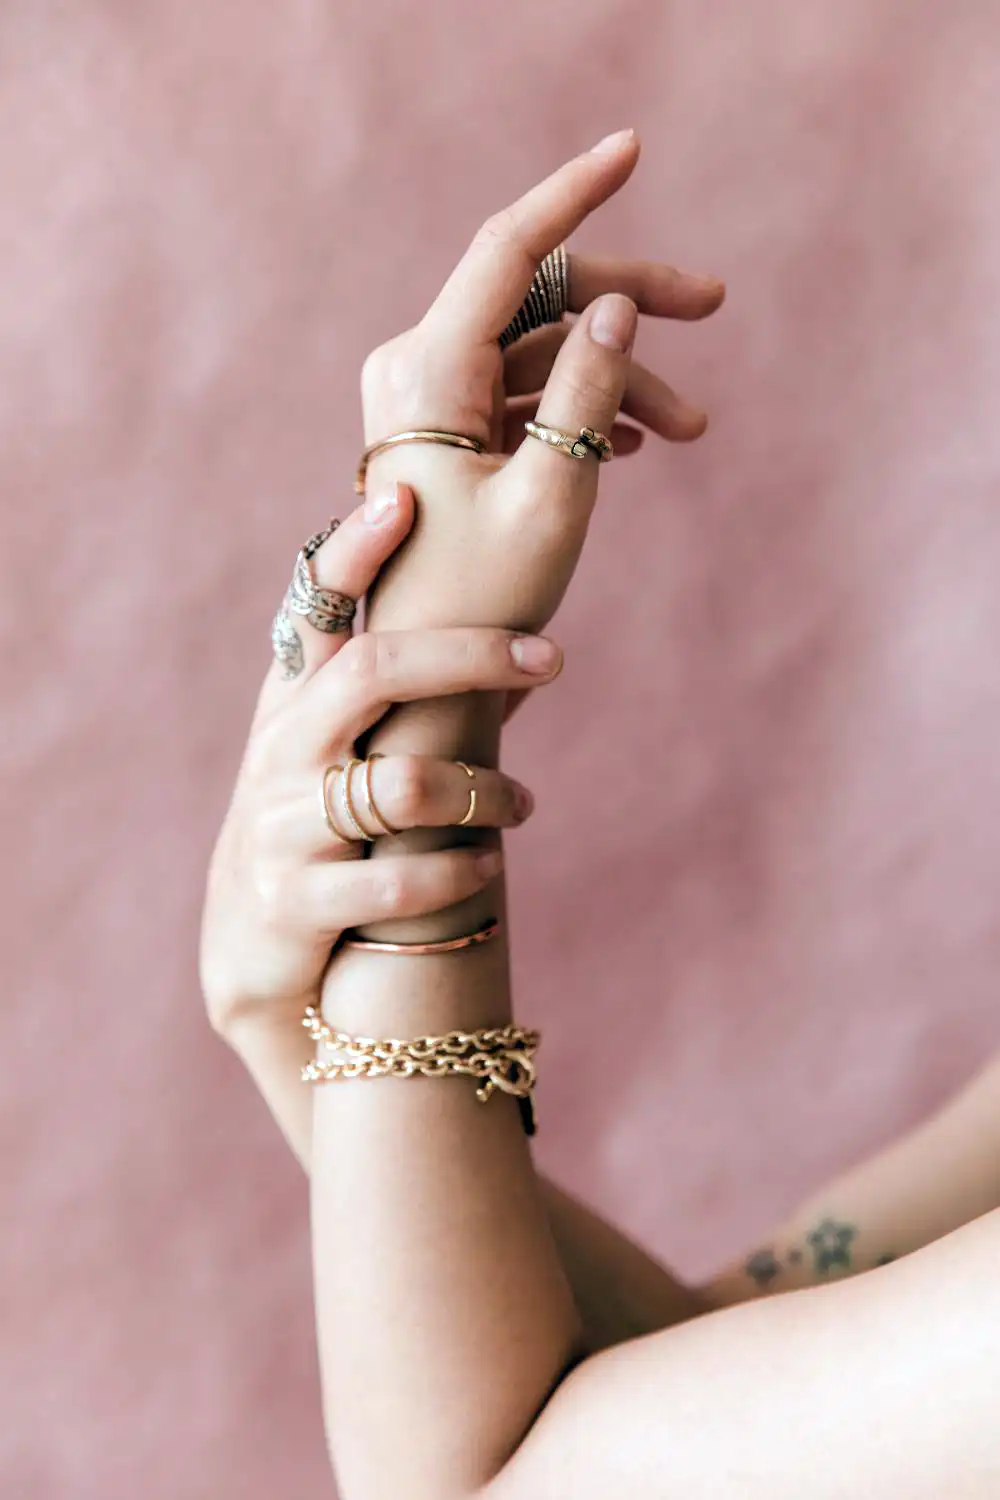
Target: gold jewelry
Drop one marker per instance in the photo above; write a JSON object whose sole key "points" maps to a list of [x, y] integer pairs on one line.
{"points": [[326, 610], [349, 810], [547, 299], [370, 804], [417, 435], [500, 1059], [445, 945], [470, 811], [324, 802], [585, 444]]}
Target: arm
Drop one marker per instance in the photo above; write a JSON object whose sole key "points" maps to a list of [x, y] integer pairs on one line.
{"points": [[411, 1229], [937, 1178], [451, 1348]]}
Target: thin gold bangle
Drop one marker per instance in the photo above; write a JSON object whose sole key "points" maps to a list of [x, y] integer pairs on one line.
{"points": [[446, 945], [418, 435]]}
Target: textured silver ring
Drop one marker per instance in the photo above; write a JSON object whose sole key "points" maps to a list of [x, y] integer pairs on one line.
{"points": [[547, 299], [326, 610]]}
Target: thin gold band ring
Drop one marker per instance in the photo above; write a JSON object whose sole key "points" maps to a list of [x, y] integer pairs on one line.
{"points": [[350, 811], [371, 807], [324, 802], [470, 811]]}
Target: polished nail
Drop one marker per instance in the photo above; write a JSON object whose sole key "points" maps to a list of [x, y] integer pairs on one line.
{"points": [[381, 507], [489, 864], [612, 143], [613, 322], [533, 653]]}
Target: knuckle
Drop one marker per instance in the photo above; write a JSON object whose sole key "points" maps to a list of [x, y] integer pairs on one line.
{"points": [[392, 368], [270, 892], [411, 792], [361, 658], [500, 228], [391, 890]]}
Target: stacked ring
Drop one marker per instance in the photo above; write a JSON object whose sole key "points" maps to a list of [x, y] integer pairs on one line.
{"points": [[334, 809]]}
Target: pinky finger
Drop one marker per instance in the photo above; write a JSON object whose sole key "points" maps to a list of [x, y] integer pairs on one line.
{"points": [[337, 896]]}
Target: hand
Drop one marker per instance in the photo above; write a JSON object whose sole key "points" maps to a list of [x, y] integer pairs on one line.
{"points": [[282, 886], [497, 541]]}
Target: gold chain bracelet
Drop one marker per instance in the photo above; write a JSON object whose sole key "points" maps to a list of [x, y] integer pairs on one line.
{"points": [[500, 1058]]}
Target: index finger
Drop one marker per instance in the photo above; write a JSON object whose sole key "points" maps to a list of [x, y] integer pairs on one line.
{"points": [[491, 280]]}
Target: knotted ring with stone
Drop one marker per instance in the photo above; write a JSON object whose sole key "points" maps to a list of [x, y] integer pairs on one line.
{"points": [[326, 610], [586, 443], [547, 299]]}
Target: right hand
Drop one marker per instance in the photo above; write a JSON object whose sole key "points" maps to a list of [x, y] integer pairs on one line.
{"points": [[498, 540], [282, 887]]}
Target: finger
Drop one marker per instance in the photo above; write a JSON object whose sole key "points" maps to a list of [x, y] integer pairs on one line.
{"points": [[585, 389], [420, 791], [658, 291], [380, 668], [647, 398], [329, 898], [347, 563], [626, 439], [491, 280]]}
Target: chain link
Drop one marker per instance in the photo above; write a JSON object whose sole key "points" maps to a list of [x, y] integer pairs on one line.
{"points": [[499, 1058]]}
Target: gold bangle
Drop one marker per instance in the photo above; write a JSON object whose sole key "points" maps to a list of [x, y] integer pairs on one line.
{"points": [[446, 945], [418, 435], [370, 804]]}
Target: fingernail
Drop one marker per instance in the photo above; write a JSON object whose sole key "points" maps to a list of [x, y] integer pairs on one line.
{"points": [[489, 864], [532, 653], [612, 143], [524, 804], [613, 322], [380, 506]]}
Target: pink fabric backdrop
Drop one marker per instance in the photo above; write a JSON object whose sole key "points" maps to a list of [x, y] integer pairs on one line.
{"points": [[767, 853]]}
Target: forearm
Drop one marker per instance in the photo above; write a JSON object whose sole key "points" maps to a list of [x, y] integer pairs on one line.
{"points": [[937, 1178], [444, 1313]]}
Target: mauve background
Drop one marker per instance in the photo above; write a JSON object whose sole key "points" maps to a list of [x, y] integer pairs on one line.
{"points": [[768, 779]]}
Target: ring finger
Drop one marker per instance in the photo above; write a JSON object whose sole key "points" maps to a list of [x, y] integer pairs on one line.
{"points": [[646, 399]]}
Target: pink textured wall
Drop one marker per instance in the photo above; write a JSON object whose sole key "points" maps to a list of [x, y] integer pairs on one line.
{"points": [[767, 855]]}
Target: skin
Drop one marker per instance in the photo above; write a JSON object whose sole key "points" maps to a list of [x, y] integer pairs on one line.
{"points": [[445, 1315]]}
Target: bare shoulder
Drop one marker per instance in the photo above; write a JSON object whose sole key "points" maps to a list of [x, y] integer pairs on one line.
{"points": [[884, 1385]]}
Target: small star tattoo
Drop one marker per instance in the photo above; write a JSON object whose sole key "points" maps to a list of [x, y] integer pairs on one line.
{"points": [[762, 1267], [795, 1257], [831, 1245]]}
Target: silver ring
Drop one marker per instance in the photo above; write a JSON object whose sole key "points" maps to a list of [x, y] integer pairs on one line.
{"points": [[547, 299], [583, 444], [326, 610]]}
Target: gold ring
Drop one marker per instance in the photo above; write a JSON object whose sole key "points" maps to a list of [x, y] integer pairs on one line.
{"points": [[324, 802], [418, 435], [470, 811], [370, 804], [349, 809], [587, 443]]}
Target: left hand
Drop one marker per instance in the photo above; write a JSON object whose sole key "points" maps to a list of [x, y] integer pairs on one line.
{"points": [[283, 886]]}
